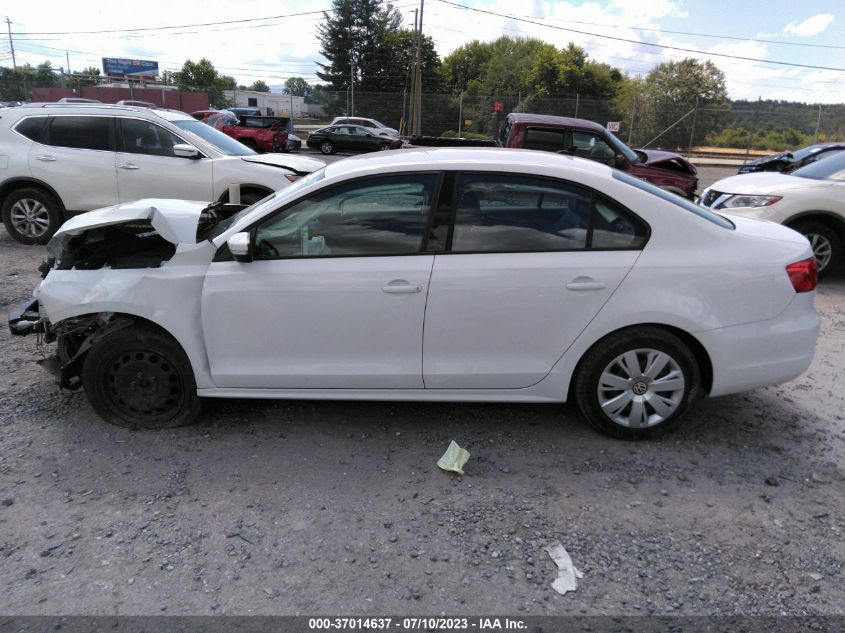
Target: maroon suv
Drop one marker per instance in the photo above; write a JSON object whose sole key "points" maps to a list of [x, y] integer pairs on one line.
{"points": [[587, 139]]}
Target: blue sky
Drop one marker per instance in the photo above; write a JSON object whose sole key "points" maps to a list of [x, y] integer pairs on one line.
{"points": [[276, 49]]}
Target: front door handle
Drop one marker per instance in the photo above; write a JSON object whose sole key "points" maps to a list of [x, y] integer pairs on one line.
{"points": [[46, 158], [401, 287], [129, 166], [585, 283]]}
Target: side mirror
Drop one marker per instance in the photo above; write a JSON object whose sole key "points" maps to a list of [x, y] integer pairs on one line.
{"points": [[240, 246], [183, 150]]}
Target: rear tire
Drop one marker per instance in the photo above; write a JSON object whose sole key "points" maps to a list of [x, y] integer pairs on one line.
{"points": [[327, 147], [384, 147], [636, 384], [139, 377], [827, 247], [31, 215]]}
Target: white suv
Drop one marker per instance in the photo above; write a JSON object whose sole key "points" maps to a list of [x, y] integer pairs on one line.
{"points": [[57, 160]]}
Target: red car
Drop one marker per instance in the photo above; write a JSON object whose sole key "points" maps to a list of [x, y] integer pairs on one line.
{"points": [[260, 133], [587, 139]]}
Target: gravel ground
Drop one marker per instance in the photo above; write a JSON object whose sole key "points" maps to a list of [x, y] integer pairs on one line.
{"points": [[310, 507]]}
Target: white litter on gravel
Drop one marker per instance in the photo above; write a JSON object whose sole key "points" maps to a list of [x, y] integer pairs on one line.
{"points": [[566, 570]]}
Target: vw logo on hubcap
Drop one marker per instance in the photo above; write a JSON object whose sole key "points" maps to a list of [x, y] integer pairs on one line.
{"points": [[640, 388]]}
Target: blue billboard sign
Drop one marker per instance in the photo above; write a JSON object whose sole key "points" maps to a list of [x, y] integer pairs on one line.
{"points": [[113, 66]]}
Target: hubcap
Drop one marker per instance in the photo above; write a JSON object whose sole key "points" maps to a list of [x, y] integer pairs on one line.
{"points": [[30, 218], [144, 384], [641, 388], [822, 249], [327, 148]]}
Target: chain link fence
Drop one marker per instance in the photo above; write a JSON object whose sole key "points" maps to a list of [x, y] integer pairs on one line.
{"points": [[740, 126]]}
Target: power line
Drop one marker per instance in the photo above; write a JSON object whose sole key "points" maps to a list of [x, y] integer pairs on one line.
{"points": [[639, 42], [711, 35]]}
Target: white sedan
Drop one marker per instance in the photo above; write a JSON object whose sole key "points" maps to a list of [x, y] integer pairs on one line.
{"points": [[460, 275], [810, 200]]}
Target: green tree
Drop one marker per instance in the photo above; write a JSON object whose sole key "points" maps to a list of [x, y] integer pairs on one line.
{"points": [[201, 76], [297, 87], [670, 98], [259, 86], [86, 77], [351, 39]]}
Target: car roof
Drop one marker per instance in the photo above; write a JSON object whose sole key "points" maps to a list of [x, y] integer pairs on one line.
{"points": [[548, 119], [464, 159]]}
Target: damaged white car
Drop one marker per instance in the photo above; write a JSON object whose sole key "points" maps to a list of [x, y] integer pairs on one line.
{"points": [[464, 275]]}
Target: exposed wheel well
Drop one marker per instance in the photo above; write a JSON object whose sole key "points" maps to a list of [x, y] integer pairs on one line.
{"points": [[80, 333], [702, 358], [828, 219], [9, 186]]}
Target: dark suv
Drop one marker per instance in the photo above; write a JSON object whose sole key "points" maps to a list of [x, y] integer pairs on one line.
{"points": [[587, 139]]}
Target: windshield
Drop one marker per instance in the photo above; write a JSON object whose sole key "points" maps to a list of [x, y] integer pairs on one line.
{"points": [[630, 154], [275, 199], [804, 152], [222, 143], [832, 168], [675, 199]]}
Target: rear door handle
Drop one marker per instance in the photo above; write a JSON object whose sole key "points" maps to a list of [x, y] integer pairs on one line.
{"points": [[46, 158], [401, 287], [129, 166], [585, 284]]}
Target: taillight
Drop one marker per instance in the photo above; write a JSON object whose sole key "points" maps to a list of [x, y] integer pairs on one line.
{"points": [[803, 275]]}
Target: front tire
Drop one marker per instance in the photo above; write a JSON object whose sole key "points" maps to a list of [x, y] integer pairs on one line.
{"points": [[31, 215], [139, 377], [827, 247], [327, 147], [384, 147], [637, 383]]}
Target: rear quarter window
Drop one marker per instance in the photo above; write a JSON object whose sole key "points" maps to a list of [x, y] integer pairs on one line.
{"points": [[34, 128], [675, 199], [81, 132]]}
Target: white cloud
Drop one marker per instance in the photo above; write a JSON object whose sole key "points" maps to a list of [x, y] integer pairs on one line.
{"points": [[811, 26]]}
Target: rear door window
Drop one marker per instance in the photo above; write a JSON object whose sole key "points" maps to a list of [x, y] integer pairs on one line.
{"points": [[509, 213], [82, 132]]}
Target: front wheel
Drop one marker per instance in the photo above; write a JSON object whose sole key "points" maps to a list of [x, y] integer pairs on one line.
{"points": [[384, 147], [827, 247], [139, 377], [31, 215], [637, 384], [327, 147]]}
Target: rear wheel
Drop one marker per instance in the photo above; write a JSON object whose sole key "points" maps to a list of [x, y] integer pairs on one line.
{"points": [[637, 384], [31, 215], [139, 377], [327, 147], [827, 247], [384, 147]]}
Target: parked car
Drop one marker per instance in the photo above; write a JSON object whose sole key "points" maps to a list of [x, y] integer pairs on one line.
{"points": [[376, 127], [136, 103], [586, 139], [350, 138], [63, 159], [810, 200], [77, 100], [442, 274], [790, 161]]}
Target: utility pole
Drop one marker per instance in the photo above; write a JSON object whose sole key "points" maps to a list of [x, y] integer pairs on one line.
{"points": [[417, 129], [692, 133], [352, 85], [11, 45], [14, 62], [412, 107], [67, 59], [753, 129], [818, 124]]}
